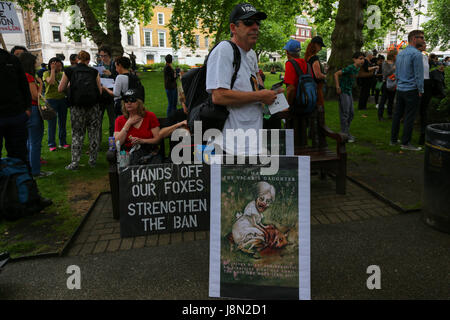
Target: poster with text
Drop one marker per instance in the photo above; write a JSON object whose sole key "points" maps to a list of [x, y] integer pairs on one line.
{"points": [[9, 22], [260, 231], [284, 145], [164, 198]]}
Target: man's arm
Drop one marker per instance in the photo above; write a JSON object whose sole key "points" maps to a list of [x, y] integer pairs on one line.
{"points": [[290, 94], [229, 97], [63, 84], [337, 74]]}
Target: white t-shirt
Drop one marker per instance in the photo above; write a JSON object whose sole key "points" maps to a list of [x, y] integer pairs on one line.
{"points": [[219, 73], [426, 67]]}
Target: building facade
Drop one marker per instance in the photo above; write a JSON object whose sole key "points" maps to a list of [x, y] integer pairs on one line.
{"points": [[156, 41], [303, 29]]}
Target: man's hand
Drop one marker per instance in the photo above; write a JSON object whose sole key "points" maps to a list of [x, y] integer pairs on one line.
{"points": [[107, 72], [338, 90], [269, 96]]}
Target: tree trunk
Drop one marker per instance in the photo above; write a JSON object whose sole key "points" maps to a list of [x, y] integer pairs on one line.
{"points": [[113, 37], [346, 39]]}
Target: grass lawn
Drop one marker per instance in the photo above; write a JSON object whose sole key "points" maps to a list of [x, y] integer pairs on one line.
{"points": [[74, 192]]}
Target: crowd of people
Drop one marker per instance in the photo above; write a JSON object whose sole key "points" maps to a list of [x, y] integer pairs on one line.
{"points": [[408, 75]]}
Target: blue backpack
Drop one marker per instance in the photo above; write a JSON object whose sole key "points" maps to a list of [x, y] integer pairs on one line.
{"points": [[19, 196], [306, 97]]}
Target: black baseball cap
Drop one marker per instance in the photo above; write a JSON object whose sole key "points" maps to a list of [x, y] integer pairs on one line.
{"points": [[244, 11], [318, 40]]}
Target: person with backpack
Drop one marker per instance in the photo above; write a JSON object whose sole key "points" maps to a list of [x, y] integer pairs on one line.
{"points": [[85, 91], [344, 80], [124, 81], [298, 78], [56, 100], [236, 91]]}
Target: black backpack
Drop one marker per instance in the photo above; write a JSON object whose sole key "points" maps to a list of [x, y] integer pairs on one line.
{"points": [[135, 84], [199, 101], [83, 87], [19, 195]]}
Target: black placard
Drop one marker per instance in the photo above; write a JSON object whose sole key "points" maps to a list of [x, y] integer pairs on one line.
{"points": [[165, 198]]}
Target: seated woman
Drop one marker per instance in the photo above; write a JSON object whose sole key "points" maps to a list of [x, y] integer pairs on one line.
{"points": [[136, 125]]}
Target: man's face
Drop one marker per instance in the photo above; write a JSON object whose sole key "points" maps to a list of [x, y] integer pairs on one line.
{"points": [[418, 40], [18, 52], [104, 56], [247, 31]]}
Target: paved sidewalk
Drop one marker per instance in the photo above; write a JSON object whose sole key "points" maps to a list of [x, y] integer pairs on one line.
{"points": [[101, 233]]}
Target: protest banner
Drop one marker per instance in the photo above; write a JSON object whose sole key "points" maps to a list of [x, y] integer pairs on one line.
{"points": [[164, 198], [260, 231], [9, 22]]}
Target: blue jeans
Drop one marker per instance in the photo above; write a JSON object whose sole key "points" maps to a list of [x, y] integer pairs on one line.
{"points": [[172, 97], [35, 127], [60, 106]]}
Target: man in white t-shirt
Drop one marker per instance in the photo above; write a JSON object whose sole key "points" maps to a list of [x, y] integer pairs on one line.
{"points": [[243, 101]]}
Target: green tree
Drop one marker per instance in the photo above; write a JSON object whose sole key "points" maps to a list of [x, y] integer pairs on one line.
{"points": [[437, 29], [213, 17], [98, 20], [344, 24]]}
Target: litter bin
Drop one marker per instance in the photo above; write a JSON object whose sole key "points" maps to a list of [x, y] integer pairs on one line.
{"points": [[436, 195]]}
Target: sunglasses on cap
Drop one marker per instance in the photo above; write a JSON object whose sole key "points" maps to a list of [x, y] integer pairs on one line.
{"points": [[250, 22], [129, 99]]}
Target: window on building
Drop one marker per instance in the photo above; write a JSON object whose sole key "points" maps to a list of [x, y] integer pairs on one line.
{"points": [[307, 33], [197, 41], [56, 30], [163, 58], [162, 39], [197, 23], [130, 39], [206, 42], [297, 32], [27, 37], [147, 38], [303, 32], [409, 21], [393, 39], [161, 19]]}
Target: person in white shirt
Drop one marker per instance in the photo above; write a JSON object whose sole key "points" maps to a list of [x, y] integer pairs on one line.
{"points": [[426, 97], [243, 101]]}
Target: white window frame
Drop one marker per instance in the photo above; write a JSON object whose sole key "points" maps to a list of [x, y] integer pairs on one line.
{"points": [[197, 41], [151, 37], [130, 36], [303, 32], [159, 39], [161, 14]]}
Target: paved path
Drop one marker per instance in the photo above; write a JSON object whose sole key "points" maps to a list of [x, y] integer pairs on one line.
{"points": [[349, 233]]}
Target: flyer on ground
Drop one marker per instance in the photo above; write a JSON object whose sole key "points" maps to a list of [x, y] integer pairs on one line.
{"points": [[260, 231]]}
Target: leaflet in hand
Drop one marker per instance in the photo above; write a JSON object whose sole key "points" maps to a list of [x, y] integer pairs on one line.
{"points": [[107, 83], [280, 104], [100, 69]]}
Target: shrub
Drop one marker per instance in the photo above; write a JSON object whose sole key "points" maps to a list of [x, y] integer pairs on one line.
{"points": [[439, 109], [267, 67]]}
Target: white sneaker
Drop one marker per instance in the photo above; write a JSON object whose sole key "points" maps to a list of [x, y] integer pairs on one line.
{"points": [[376, 106], [410, 147]]}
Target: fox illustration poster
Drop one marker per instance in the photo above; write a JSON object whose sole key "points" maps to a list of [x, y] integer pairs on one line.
{"points": [[260, 231]]}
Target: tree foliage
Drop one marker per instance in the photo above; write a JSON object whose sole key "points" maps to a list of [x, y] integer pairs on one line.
{"points": [[98, 20], [437, 29], [213, 17]]}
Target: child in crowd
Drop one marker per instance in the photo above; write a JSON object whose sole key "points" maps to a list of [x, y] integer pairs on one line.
{"points": [[344, 87]]}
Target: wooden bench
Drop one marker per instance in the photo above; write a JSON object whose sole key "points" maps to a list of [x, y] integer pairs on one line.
{"points": [[323, 159]]}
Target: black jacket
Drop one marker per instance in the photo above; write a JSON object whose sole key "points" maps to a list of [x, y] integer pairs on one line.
{"points": [[15, 95]]}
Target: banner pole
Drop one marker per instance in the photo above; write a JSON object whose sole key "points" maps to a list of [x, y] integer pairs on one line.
{"points": [[3, 42]]}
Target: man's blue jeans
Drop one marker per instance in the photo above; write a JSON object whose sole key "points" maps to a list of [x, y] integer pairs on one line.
{"points": [[35, 127], [60, 106], [172, 97]]}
